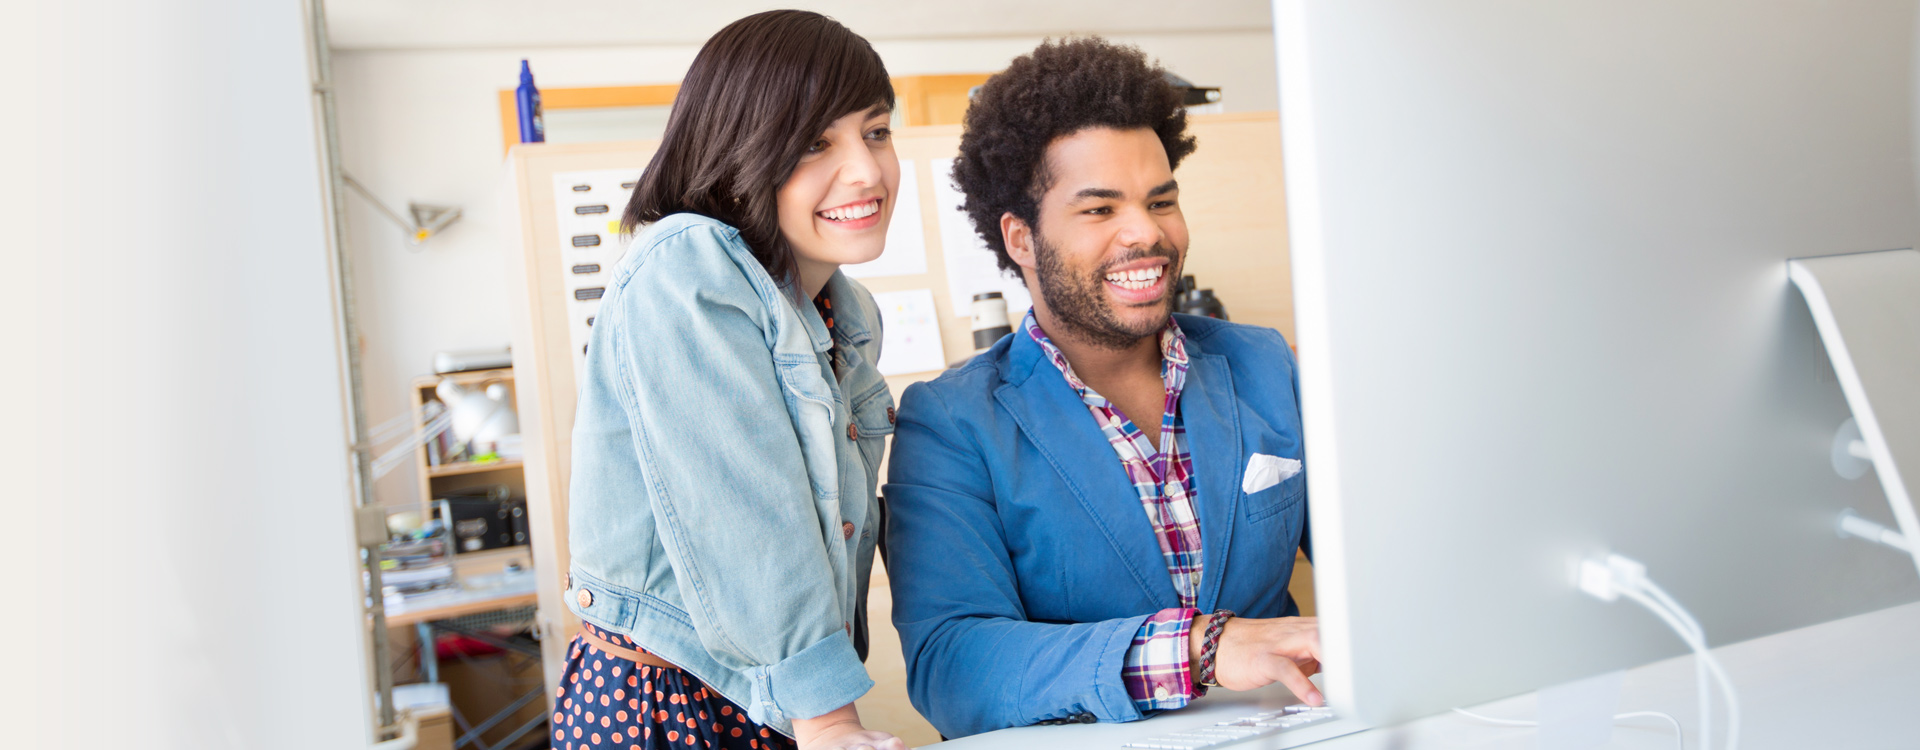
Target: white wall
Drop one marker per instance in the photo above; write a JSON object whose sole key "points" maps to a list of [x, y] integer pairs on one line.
{"points": [[174, 425], [424, 125]]}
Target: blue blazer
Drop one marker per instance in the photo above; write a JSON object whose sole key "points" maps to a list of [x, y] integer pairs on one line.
{"points": [[1020, 559]]}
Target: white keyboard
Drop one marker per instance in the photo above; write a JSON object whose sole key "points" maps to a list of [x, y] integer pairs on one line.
{"points": [[1236, 730]]}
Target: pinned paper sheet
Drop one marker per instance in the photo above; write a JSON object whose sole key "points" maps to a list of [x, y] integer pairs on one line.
{"points": [[906, 252], [1265, 471], [971, 267], [911, 339], [587, 207]]}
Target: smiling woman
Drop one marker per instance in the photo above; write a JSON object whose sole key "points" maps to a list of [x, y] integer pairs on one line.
{"points": [[752, 107], [835, 207], [722, 533]]}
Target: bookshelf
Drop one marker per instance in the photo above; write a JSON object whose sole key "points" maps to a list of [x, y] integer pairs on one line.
{"points": [[438, 478]]}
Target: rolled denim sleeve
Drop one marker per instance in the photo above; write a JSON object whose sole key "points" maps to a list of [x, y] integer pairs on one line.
{"points": [[729, 486]]}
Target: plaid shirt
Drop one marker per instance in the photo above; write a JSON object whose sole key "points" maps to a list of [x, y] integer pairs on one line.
{"points": [[1156, 672]]}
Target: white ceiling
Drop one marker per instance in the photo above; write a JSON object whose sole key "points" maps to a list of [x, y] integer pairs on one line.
{"points": [[441, 24]]}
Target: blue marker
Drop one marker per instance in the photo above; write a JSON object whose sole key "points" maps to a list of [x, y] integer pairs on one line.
{"points": [[533, 128]]}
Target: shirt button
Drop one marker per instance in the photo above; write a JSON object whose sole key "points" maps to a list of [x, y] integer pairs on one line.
{"points": [[846, 530], [853, 432], [1160, 692], [585, 598]]}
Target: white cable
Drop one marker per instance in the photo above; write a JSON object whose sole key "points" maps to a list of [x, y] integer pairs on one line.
{"points": [[1705, 658], [1679, 737], [1619, 576], [1705, 662], [1692, 638]]}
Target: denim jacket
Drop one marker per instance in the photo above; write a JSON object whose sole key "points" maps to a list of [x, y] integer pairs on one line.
{"points": [[722, 509]]}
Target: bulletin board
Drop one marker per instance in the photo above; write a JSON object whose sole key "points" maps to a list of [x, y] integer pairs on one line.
{"points": [[563, 200]]}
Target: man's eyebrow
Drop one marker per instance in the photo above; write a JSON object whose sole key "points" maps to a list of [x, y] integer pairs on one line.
{"points": [[1108, 194], [1164, 188]]}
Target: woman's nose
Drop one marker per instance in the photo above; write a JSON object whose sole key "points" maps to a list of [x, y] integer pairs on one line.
{"points": [[861, 168]]}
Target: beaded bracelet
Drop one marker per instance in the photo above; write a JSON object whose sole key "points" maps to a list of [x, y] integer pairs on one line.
{"points": [[1210, 647]]}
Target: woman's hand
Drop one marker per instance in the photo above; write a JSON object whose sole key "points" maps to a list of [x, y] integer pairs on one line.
{"points": [[840, 729]]}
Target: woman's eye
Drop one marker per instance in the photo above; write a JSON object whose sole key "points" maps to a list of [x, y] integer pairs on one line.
{"points": [[881, 134], [818, 146]]}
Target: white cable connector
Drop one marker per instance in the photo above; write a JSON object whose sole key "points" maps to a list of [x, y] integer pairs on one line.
{"points": [[1618, 576]]}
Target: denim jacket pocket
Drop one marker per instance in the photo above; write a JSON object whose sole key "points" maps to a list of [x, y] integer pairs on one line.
{"points": [[1272, 501], [873, 416]]}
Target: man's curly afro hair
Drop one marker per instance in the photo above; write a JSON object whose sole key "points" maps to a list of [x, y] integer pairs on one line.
{"points": [[1059, 89]]}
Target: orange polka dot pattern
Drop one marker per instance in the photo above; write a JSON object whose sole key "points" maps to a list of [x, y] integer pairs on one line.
{"points": [[605, 702]]}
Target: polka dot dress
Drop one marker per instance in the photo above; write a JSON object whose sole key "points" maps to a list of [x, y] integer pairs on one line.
{"points": [[609, 702]]}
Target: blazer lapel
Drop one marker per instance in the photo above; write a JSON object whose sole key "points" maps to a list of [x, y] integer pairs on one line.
{"points": [[1057, 422], [1211, 415]]}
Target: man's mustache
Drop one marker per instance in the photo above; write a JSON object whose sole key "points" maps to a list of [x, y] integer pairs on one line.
{"points": [[1156, 251]]}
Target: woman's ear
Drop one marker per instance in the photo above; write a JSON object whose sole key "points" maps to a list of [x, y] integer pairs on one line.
{"points": [[1018, 238]]}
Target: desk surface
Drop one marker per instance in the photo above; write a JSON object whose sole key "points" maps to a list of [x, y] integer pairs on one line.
{"points": [[483, 593], [1852, 683]]}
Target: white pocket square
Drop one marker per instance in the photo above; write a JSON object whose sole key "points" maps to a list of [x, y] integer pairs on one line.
{"points": [[1265, 471]]}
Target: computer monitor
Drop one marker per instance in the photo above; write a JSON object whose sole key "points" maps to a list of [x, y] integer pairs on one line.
{"points": [[1540, 264]]}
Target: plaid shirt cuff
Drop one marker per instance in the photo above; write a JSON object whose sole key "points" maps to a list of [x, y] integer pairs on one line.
{"points": [[1156, 672]]}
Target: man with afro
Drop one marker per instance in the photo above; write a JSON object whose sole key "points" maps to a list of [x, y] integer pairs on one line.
{"points": [[1097, 517]]}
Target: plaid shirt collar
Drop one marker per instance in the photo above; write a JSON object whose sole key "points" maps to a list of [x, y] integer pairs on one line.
{"points": [[1173, 365]]}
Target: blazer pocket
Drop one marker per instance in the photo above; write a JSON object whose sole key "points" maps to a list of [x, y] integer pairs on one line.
{"points": [[1277, 499]]}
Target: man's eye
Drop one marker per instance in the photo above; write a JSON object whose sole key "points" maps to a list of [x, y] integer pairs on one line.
{"points": [[1162, 204]]}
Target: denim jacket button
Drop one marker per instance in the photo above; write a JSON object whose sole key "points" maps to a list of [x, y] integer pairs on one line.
{"points": [[853, 432], [846, 530], [889, 415], [585, 597]]}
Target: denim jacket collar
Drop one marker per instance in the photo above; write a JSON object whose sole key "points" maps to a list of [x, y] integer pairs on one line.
{"points": [[850, 325]]}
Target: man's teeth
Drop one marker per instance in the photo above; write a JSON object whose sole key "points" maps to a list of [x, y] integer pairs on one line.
{"points": [[849, 213], [1136, 279]]}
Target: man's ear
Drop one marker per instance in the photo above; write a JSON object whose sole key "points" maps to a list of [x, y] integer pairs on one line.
{"points": [[1019, 240]]}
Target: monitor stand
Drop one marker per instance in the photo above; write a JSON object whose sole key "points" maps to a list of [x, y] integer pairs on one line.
{"points": [[1867, 309]]}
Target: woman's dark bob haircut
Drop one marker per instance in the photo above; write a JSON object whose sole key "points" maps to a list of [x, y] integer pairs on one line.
{"points": [[758, 95]]}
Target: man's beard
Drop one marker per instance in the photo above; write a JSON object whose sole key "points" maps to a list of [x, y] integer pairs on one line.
{"points": [[1081, 303]]}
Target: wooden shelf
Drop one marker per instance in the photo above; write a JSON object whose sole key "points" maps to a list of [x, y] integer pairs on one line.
{"points": [[465, 378], [469, 467]]}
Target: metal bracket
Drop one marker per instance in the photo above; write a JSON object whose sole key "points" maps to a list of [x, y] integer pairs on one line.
{"points": [[427, 220], [1865, 307]]}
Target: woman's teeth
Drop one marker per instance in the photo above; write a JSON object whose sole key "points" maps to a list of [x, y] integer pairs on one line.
{"points": [[1137, 279], [850, 213]]}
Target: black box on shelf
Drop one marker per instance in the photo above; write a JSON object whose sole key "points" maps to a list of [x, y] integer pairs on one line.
{"points": [[487, 518]]}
